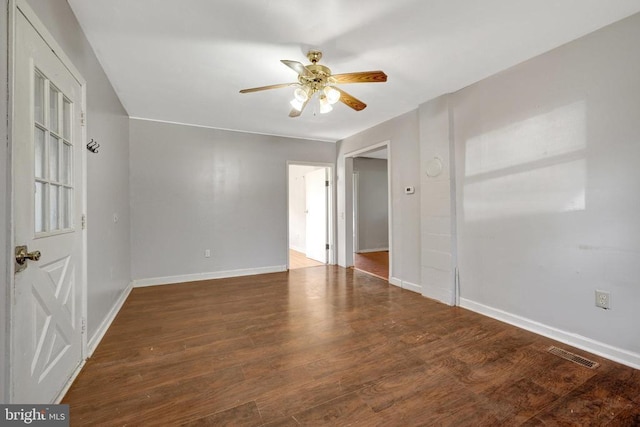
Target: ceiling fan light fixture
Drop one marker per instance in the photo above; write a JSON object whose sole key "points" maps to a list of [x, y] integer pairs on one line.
{"points": [[325, 106], [297, 104], [301, 94], [332, 94]]}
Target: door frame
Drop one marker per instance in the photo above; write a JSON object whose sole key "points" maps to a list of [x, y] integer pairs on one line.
{"points": [[16, 7], [349, 208], [331, 220], [355, 185]]}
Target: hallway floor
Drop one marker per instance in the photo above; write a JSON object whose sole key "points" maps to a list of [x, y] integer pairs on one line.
{"points": [[376, 263]]}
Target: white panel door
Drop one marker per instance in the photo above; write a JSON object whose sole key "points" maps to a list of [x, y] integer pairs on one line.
{"points": [[316, 229], [46, 323]]}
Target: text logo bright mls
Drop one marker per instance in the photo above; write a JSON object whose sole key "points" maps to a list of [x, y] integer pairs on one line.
{"points": [[36, 415]]}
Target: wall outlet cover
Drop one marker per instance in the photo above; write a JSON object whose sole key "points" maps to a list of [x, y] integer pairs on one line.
{"points": [[603, 299]]}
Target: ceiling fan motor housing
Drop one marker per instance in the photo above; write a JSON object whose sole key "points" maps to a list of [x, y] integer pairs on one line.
{"points": [[320, 77]]}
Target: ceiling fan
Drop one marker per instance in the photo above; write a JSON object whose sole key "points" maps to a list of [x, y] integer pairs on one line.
{"points": [[317, 79]]}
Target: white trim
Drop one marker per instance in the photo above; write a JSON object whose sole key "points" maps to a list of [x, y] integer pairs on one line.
{"points": [[10, 294], [412, 287], [83, 230], [108, 320], [616, 354], [352, 154], [69, 382], [365, 251], [368, 148], [355, 204], [169, 280], [231, 130], [437, 293], [395, 281]]}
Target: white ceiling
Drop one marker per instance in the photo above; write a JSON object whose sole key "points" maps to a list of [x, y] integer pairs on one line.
{"points": [[185, 61]]}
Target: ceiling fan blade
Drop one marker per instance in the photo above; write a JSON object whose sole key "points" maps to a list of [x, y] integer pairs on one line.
{"points": [[257, 89], [298, 67], [350, 100], [361, 77], [295, 113]]}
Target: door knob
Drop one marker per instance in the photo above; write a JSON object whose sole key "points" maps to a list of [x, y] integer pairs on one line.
{"points": [[22, 255]]}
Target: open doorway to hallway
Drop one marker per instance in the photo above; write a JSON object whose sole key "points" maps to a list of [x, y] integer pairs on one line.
{"points": [[309, 207], [371, 212]]}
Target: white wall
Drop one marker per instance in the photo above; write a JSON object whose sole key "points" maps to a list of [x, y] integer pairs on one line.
{"points": [[402, 132], [5, 195], [196, 188], [437, 191], [108, 171], [373, 204], [298, 207], [548, 193]]}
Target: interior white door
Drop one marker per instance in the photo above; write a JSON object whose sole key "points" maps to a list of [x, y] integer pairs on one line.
{"points": [[316, 228], [46, 320]]}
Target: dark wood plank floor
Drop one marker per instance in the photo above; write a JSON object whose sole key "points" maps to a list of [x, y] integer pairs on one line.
{"points": [[332, 346], [376, 263]]}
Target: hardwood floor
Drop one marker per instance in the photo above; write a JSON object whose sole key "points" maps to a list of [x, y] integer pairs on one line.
{"points": [[299, 260], [376, 263], [333, 346]]}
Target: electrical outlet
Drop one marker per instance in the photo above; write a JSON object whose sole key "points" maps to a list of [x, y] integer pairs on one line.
{"points": [[603, 299], [207, 253]]}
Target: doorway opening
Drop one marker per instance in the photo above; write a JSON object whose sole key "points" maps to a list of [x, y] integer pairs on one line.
{"points": [[371, 213], [309, 215], [369, 232]]}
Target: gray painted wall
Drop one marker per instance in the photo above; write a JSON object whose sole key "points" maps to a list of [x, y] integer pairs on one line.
{"points": [[373, 204], [196, 188], [5, 194], [404, 162], [107, 172], [541, 180], [549, 187]]}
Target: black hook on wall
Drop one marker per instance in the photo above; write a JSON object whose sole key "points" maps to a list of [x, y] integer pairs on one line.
{"points": [[93, 146]]}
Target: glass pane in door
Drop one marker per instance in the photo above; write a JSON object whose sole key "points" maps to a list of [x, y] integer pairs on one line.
{"points": [[39, 152], [54, 143], [66, 119], [39, 207], [54, 190], [65, 164], [53, 109], [38, 98]]}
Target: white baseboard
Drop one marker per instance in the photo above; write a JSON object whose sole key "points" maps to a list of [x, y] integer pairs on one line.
{"points": [[297, 249], [411, 287], [601, 349], [405, 285], [168, 280], [104, 326], [67, 386], [395, 281], [437, 293], [364, 251]]}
